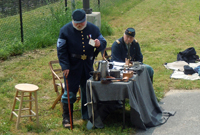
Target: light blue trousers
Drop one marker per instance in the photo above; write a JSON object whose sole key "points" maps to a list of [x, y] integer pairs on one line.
{"points": [[150, 70]]}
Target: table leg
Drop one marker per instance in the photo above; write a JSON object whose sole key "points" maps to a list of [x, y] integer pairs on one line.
{"points": [[123, 114]]}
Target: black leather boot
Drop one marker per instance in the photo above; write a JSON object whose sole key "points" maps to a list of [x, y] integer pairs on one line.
{"points": [[66, 118]]}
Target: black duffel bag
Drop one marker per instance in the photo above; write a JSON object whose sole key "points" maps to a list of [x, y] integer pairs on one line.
{"points": [[189, 55], [188, 70]]}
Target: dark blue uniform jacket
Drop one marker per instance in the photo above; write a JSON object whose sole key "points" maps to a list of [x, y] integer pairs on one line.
{"points": [[72, 41], [120, 51]]}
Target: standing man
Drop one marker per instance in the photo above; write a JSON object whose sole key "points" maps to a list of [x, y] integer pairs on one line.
{"points": [[76, 57], [128, 47]]}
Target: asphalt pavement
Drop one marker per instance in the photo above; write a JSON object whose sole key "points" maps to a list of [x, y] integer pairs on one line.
{"points": [[186, 121]]}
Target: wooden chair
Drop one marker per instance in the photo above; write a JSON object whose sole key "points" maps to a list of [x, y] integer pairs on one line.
{"points": [[106, 54], [58, 82]]}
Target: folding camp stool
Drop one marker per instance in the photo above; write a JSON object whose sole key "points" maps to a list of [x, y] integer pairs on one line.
{"points": [[25, 88]]}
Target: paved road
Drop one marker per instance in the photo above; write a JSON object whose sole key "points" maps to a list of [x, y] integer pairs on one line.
{"points": [[186, 121]]}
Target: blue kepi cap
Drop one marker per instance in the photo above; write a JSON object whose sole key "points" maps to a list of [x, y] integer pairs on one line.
{"points": [[78, 16], [130, 32]]}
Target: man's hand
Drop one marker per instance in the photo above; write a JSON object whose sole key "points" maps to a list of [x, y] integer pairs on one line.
{"points": [[66, 72], [97, 43]]}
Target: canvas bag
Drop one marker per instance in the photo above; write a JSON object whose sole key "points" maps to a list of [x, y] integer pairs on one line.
{"points": [[188, 70], [188, 55]]}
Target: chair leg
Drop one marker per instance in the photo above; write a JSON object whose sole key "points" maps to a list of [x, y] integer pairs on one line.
{"points": [[36, 108], [123, 114], [56, 101], [79, 97], [61, 104], [30, 105], [14, 103], [20, 108]]}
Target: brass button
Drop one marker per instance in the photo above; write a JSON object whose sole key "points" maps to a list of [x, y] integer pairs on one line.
{"points": [[83, 46], [81, 31], [82, 35], [82, 42], [82, 38], [83, 50]]}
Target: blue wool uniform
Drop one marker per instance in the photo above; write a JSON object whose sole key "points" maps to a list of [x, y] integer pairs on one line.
{"points": [[120, 52], [75, 53]]}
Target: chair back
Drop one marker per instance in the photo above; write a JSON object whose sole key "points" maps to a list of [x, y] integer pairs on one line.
{"points": [[58, 82], [57, 74], [106, 54]]}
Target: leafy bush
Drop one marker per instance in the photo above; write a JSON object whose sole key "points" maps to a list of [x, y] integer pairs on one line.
{"points": [[106, 29]]}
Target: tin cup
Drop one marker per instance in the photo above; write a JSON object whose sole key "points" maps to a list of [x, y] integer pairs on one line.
{"points": [[96, 75]]}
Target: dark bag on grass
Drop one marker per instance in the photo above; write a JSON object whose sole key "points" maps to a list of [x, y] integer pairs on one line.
{"points": [[189, 55], [188, 70]]}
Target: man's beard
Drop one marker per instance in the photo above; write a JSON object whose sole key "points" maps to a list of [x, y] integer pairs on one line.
{"points": [[79, 29]]}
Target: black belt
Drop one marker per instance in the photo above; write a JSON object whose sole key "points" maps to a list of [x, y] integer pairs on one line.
{"points": [[83, 57]]}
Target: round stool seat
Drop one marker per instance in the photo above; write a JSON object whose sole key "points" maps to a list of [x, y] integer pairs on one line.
{"points": [[26, 87], [21, 89]]}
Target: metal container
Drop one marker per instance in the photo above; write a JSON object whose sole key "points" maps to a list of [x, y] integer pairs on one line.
{"points": [[96, 75], [103, 68], [115, 73], [129, 74]]}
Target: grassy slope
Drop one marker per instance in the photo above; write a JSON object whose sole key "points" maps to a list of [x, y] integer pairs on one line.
{"points": [[163, 28]]}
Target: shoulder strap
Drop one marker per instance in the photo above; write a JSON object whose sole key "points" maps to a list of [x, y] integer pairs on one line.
{"points": [[136, 41], [117, 41]]}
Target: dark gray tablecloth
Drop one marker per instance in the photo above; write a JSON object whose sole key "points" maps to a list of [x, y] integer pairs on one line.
{"points": [[145, 110]]}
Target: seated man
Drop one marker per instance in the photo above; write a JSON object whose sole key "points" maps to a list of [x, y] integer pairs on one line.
{"points": [[128, 47]]}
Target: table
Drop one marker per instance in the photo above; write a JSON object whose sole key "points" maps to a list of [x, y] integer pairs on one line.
{"points": [[145, 110]]}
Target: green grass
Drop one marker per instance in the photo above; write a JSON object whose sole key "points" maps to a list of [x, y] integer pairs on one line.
{"points": [[40, 29], [163, 28]]}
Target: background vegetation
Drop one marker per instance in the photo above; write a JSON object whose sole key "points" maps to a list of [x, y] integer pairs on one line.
{"points": [[163, 28], [40, 25]]}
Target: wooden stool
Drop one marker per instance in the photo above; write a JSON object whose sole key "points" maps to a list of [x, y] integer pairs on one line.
{"points": [[30, 88]]}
